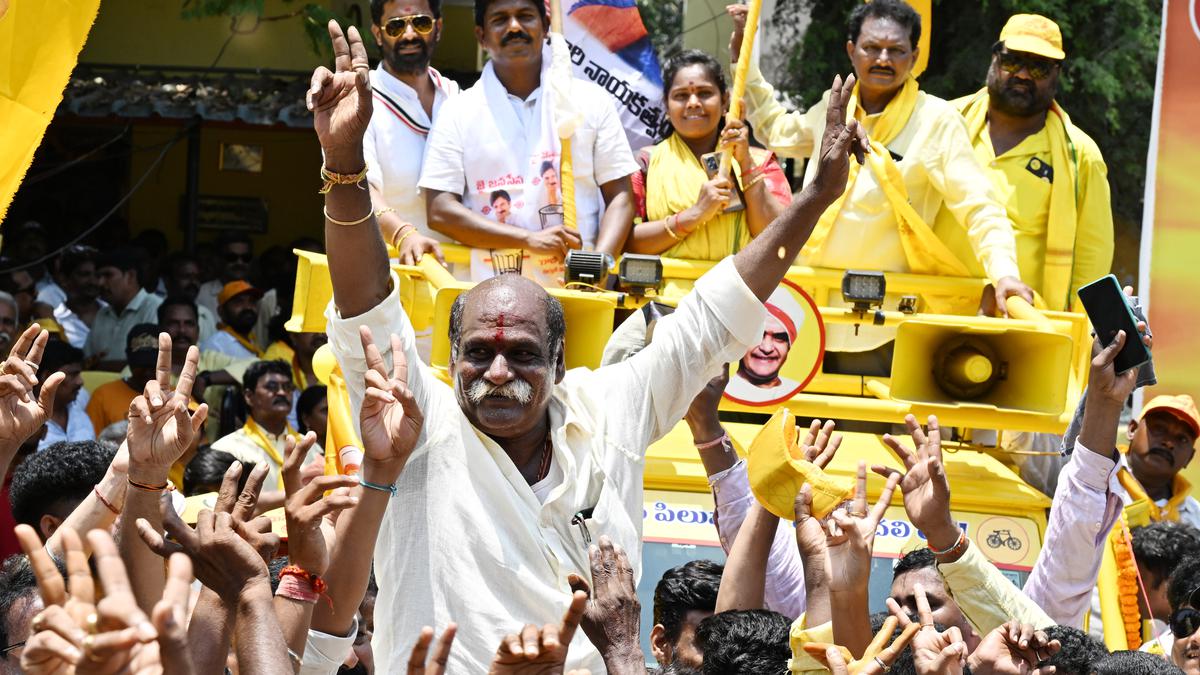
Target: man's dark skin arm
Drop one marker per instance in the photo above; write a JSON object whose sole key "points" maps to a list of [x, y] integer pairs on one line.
{"points": [[764, 262], [617, 222]]}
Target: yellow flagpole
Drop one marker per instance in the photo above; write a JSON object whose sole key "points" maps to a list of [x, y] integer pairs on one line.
{"points": [[739, 76], [566, 161]]}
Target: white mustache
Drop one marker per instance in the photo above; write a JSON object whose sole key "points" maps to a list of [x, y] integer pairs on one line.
{"points": [[518, 390]]}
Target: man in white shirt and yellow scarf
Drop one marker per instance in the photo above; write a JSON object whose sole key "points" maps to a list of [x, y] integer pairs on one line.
{"points": [[922, 162], [1047, 172]]}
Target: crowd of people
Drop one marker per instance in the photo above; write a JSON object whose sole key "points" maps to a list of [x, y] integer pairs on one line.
{"points": [[495, 525]]}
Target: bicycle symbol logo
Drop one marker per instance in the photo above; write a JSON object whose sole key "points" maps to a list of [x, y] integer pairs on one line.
{"points": [[1000, 538]]}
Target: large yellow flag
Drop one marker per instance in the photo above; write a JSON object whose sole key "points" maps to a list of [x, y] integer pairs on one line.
{"points": [[39, 44]]}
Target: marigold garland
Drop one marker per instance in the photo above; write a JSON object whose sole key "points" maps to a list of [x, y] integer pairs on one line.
{"points": [[1127, 584]]}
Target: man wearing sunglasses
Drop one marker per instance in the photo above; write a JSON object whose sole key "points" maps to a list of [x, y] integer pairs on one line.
{"points": [[408, 96], [500, 133], [1184, 595], [1047, 172], [235, 252]]}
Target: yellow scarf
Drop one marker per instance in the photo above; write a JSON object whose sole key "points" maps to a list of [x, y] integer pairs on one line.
{"points": [[1063, 218], [1180, 490], [673, 180], [259, 436], [926, 254], [282, 351], [253, 348]]}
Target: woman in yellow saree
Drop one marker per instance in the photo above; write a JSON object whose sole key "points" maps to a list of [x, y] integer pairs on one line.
{"points": [[681, 209]]}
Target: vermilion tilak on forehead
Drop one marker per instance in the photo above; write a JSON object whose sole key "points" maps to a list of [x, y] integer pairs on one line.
{"points": [[499, 334]]}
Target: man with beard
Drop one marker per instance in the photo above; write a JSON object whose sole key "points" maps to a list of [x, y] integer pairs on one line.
{"points": [[499, 133], [1161, 444], [408, 95], [128, 305], [1046, 171], [183, 281], [235, 252], [267, 387], [513, 469], [77, 270], [239, 312], [922, 156]]}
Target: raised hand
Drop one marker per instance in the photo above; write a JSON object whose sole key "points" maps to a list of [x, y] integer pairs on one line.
{"points": [[1013, 649], [22, 415], [612, 619], [850, 535], [160, 427], [541, 651], [876, 660], [925, 486], [820, 444], [841, 140], [417, 664], [738, 12], [310, 533], [389, 419], [340, 100], [934, 653]]}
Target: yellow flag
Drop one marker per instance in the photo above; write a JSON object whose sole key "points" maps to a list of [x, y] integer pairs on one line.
{"points": [[39, 44]]}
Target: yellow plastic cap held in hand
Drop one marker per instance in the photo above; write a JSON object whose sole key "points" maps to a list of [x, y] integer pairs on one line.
{"points": [[1034, 34], [778, 469]]}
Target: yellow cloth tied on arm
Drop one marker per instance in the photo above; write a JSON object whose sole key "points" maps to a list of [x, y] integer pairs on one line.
{"points": [[673, 181], [924, 251], [1063, 217], [777, 469]]}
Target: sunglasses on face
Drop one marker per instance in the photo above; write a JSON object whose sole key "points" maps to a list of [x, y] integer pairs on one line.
{"points": [[1184, 622], [1037, 68], [278, 387], [422, 24], [239, 257]]}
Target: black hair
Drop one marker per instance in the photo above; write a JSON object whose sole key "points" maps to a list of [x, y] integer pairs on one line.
{"points": [[687, 587], [914, 560], [208, 468], [499, 193], [76, 256], [896, 10], [1135, 663], [745, 642], [176, 301], [17, 583], [1160, 547], [56, 355], [274, 567], [693, 57], [309, 398], [545, 166], [482, 5], [124, 258], [1079, 654], [258, 369], [233, 238], [677, 668], [1185, 580], [556, 324], [55, 480], [377, 6]]}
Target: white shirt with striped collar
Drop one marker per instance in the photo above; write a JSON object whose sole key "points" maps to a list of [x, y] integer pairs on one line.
{"points": [[394, 144]]}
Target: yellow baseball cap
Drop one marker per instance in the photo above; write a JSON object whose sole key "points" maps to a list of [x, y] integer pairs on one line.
{"points": [[1034, 34], [1181, 406], [235, 288]]}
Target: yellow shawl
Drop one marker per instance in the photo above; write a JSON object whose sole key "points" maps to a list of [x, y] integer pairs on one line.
{"points": [[926, 254], [1060, 231], [673, 179]]}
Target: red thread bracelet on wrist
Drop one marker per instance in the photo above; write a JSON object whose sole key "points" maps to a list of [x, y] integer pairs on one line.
{"points": [[713, 443], [105, 502], [297, 584]]}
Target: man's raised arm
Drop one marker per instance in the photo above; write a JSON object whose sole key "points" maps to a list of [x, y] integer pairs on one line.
{"points": [[341, 106], [766, 259]]}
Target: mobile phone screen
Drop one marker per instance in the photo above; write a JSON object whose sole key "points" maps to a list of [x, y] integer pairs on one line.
{"points": [[1109, 312]]}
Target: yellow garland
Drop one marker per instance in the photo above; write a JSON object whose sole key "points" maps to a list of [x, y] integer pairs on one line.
{"points": [[1127, 584]]}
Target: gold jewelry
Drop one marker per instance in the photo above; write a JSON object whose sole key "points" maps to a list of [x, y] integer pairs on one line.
{"points": [[380, 212], [358, 66], [398, 241], [330, 179], [89, 646], [755, 181], [92, 621], [667, 226], [32, 364], [345, 223]]}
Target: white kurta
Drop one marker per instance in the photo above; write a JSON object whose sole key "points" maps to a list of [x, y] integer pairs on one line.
{"points": [[466, 539]]}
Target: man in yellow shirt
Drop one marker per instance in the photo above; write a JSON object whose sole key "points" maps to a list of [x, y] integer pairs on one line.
{"points": [[1047, 172], [921, 162]]}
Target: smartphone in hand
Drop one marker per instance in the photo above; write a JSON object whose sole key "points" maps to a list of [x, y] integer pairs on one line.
{"points": [[1108, 309]]}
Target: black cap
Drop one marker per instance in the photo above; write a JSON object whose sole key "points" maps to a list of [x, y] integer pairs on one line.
{"points": [[141, 346]]}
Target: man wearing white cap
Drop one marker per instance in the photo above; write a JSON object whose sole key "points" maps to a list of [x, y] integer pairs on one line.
{"points": [[1047, 172]]}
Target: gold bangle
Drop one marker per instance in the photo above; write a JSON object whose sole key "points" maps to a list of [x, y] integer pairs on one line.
{"points": [[755, 181], [330, 179], [344, 223], [380, 212], [412, 229], [667, 226]]}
